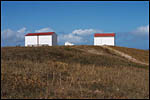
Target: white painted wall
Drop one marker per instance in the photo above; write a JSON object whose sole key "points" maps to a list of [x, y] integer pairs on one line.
{"points": [[45, 40], [104, 41], [30, 40], [49, 40]]}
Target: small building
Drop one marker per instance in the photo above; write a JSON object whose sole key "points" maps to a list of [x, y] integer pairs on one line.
{"points": [[68, 44], [104, 39], [40, 39]]}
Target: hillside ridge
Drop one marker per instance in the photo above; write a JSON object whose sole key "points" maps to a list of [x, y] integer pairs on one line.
{"points": [[65, 72], [125, 55]]}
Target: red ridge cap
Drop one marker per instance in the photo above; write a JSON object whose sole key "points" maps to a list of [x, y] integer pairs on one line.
{"points": [[43, 33], [104, 34]]}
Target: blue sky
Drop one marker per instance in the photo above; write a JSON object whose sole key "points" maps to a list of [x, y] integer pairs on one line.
{"points": [[76, 21]]}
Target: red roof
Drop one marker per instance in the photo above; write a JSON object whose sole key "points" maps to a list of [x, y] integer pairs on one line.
{"points": [[45, 33], [103, 34]]}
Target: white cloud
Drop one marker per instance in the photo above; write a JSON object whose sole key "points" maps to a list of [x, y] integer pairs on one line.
{"points": [[21, 32], [78, 35], [13, 37], [85, 31], [47, 29], [7, 33], [142, 30], [71, 38]]}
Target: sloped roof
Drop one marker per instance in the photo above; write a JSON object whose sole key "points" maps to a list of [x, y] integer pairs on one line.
{"points": [[43, 33], [104, 34]]}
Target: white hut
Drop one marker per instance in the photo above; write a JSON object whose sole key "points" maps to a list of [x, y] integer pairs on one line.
{"points": [[104, 39], [68, 44], [39, 39]]}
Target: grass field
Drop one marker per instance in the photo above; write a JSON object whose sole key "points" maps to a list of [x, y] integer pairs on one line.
{"points": [[72, 72]]}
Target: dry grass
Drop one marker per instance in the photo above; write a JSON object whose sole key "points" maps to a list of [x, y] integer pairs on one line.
{"points": [[67, 72], [141, 55]]}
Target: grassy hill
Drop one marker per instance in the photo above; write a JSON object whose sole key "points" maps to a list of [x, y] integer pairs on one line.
{"points": [[73, 72]]}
